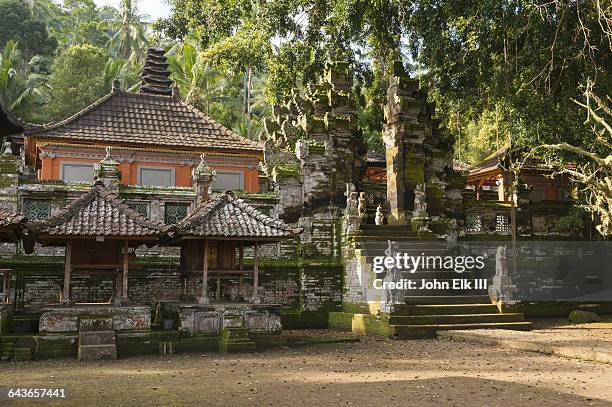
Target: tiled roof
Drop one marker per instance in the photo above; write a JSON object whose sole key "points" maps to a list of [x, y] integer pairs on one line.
{"points": [[228, 216], [9, 121], [10, 219], [99, 212], [148, 120]]}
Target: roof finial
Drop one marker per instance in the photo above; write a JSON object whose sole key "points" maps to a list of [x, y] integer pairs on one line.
{"points": [[116, 86], [108, 172], [202, 179], [108, 150]]}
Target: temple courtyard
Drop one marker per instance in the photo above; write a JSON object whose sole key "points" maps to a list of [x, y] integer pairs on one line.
{"points": [[372, 372]]}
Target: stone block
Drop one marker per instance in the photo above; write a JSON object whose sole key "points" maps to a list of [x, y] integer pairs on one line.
{"points": [[95, 324], [583, 317], [340, 321], [97, 352], [135, 343], [92, 338], [56, 346], [363, 324], [234, 340]]}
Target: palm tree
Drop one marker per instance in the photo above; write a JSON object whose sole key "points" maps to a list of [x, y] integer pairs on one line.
{"points": [[129, 39], [7, 71], [41, 9], [13, 93], [198, 82]]}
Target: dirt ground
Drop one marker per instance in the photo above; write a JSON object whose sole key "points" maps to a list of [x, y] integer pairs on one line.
{"points": [[367, 373]]}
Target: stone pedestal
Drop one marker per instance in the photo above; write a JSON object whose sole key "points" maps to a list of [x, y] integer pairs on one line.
{"points": [[213, 318]]}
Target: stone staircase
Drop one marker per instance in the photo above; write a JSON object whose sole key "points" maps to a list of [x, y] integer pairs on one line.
{"points": [[234, 340], [96, 339], [426, 311]]}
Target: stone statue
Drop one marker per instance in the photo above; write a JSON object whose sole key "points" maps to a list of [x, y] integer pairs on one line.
{"points": [[362, 204], [420, 205], [352, 205], [380, 216], [269, 157], [393, 274], [7, 148], [352, 213], [301, 149]]}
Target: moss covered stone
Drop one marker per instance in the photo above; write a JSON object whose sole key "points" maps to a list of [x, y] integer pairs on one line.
{"points": [[340, 321], [371, 325]]}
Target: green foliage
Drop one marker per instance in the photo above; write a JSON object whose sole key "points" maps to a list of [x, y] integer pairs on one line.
{"points": [[572, 223], [20, 90], [198, 82], [77, 79], [518, 61], [18, 24], [247, 48], [75, 22], [129, 40]]}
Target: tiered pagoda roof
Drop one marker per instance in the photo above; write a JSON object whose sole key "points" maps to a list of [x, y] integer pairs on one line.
{"points": [[152, 118], [155, 74], [99, 212], [226, 216]]}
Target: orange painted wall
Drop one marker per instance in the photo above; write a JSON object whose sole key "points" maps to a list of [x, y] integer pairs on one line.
{"points": [[50, 170]]}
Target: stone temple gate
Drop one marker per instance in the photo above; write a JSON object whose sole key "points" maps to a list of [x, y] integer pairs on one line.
{"points": [[421, 182]]}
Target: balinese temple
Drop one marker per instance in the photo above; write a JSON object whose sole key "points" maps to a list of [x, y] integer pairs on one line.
{"points": [[102, 189], [156, 137]]}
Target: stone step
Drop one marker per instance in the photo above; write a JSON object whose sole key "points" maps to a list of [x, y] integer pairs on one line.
{"points": [[235, 334], [96, 338], [446, 299], [461, 309], [97, 352], [455, 319], [96, 345], [444, 293], [431, 274], [399, 229], [370, 253], [236, 340], [401, 244], [384, 237], [428, 331]]}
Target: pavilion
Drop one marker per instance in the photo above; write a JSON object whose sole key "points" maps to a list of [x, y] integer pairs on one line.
{"points": [[210, 235], [494, 174], [100, 233]]}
